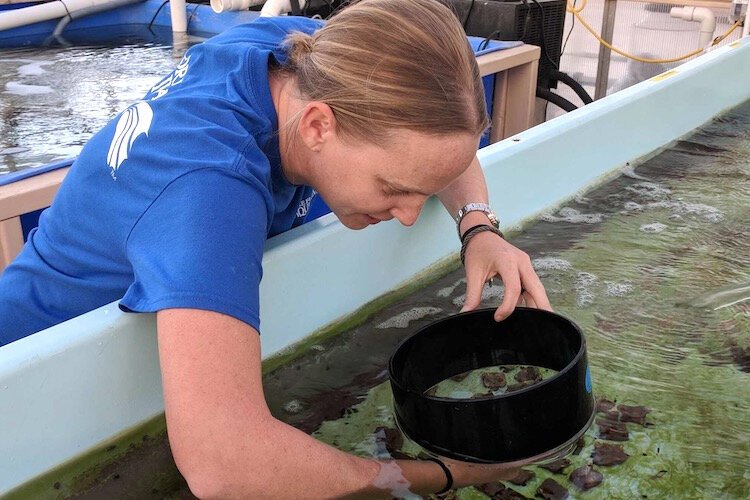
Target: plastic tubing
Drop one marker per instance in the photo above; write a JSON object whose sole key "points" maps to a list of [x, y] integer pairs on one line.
{"points": [[701, 15], [178, 15], [570, 82], [220, 6], [274, 8], [555, 99]]}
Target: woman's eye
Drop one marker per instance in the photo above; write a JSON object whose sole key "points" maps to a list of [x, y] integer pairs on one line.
{"points": [[397, 192]]}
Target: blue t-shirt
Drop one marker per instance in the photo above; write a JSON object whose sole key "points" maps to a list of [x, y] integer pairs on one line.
{"points": [[170, 204]]}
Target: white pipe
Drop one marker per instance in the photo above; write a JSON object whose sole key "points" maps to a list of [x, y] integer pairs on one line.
{"points": [[178, 14], [698, 14], [274, 8], [83, 13], [54, 10], [220, 6], [746, 28]]}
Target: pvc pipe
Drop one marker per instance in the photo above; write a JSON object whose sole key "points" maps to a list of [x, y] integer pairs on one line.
{"points": [[698, 14], [178, 15], [81, 13], [274, 8], [54, 10], [220, 6]]}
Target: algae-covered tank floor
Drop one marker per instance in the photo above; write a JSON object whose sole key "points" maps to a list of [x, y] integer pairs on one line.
{"points": [[652, 267]]}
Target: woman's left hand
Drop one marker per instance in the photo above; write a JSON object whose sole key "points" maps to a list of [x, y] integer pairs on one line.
{"points": [[488, 255]]}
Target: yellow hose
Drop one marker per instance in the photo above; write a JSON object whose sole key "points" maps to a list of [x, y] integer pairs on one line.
{"points": [[576, 11]]}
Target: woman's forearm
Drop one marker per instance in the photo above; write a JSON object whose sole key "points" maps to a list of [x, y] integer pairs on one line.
{"points": [[470, 187], [291, 464], [224, 439]]}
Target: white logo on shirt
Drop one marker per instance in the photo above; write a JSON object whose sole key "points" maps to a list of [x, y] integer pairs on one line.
{"points": [[174, 78], [133, 122], [304, 205]]}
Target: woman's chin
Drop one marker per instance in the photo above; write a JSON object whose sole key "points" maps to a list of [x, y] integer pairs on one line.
{"points": [[358, 221]]}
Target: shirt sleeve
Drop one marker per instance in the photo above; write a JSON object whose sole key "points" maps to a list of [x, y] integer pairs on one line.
{"points": [[200, 246]]}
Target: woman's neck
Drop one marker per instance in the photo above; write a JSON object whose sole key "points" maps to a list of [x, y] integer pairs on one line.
{"points": [[288, 107]]}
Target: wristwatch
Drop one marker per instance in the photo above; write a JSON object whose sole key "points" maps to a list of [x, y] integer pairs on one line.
{"points": [[476, 207]]}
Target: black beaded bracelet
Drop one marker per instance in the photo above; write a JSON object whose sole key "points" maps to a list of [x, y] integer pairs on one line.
{"points": [[468, 235], [448, 475]]}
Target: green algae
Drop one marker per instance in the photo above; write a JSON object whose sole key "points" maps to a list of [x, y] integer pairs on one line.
{"points": [[97, 465]]}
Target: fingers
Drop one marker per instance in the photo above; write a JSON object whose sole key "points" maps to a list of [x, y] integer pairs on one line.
{"points": [[534, 294], [474, 286], [491, 256], [511, 297], [525, 299]]}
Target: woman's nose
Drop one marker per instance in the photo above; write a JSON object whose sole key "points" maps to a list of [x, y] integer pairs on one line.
{"points": [[407, 213]]}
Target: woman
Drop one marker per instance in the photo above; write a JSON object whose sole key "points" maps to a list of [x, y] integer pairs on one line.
{"points": [[377, 110]]}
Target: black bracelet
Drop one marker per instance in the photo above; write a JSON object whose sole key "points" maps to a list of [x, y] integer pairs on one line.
{"points": [[468, 235], [470, 230], [448, 475]]}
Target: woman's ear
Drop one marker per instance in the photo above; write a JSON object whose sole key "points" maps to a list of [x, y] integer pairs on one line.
{"points": [[317, 125]]}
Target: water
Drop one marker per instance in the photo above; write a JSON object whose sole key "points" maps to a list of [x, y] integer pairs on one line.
{"points": [[52, 99], [655, 267]]}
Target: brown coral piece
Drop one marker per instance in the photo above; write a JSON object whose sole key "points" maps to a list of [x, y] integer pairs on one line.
{"points": [[586, 477], [604, 405], [523, 477], [528, 373], [612, 431], [494, 380], [490, 489], [551, 490], [557, 466], [608, 454], [635, 414], [392, 439], [478, 395], [509, 494]]}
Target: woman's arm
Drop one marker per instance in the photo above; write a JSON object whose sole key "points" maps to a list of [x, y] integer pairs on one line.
{"points": [[488, 255], [227, 444]]}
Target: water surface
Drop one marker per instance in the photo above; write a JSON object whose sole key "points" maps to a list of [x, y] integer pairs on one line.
{"points": [[54, 98]]}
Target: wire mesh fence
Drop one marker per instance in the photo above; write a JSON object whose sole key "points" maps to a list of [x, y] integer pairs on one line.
{"points": [[643, 29]]}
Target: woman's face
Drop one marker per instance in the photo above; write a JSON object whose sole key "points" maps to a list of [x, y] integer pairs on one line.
{"points": [[365, 184]]}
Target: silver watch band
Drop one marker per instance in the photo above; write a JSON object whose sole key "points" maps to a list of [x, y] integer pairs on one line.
{"points": [[476, 207]]}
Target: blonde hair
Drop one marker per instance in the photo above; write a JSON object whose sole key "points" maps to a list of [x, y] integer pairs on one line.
{"points": [[391, 64]]}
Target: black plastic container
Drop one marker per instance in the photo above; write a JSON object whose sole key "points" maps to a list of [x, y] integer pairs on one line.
{"points": [[530, 423]]}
